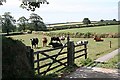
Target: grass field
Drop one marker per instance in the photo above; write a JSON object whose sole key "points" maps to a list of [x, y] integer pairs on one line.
{"points": [[99, 29], [95, 49]]}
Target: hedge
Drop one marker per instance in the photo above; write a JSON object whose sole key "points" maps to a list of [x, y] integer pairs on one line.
{"points": [[84, 35]]}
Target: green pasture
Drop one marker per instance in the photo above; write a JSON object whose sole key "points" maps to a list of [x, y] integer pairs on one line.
{"points": [[95, 49], [98, 29]]}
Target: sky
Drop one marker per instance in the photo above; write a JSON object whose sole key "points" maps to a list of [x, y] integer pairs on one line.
{"points": [[59, 11]]}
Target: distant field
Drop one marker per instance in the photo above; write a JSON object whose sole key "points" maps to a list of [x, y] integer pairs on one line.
{"points": [[65, 24], [99, 29], [69, 23]]}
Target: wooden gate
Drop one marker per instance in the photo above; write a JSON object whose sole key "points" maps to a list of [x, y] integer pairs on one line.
{"points": [[56, 59], [49, 59]]}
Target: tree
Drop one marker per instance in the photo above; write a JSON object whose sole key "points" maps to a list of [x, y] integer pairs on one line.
{"points": [[0, 23], [86, 21], [1, 2], [32, 5], [29, 4], [8, 23], [114, 20], [101, 20], [37, 22], [22, 23], [1, 19]]}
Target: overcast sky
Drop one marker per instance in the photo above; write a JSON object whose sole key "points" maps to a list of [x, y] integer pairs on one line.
{"points": [[66, 10]]}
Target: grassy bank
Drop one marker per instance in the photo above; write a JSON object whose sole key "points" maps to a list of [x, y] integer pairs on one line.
{"points": [[112, 63]]}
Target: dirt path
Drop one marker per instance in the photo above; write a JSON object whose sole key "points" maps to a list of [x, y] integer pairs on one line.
{"points": [[86, 72], [95, 72], [105, 58]]}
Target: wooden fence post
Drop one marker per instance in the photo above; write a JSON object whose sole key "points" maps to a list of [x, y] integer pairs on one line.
{"points": [[70, 54], [38, 70], [85, 47], [68, 38], [32, 58], [110, 44]]}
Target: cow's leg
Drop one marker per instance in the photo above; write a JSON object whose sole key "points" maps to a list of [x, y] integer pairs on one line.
{"points": [[35, 45], [32, 45], [43, 44]]}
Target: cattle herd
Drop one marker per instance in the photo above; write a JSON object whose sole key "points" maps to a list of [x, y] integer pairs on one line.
{"points": [[56, 41]]}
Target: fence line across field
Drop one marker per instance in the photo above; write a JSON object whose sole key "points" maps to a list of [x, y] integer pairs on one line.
{"points": [[69, 58]]}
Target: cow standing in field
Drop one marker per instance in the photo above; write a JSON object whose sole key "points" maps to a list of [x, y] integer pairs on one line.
{"points": [[44, 41], [55, 39], [82, 42], [34, 42], [54, 45], [62, 38], [55, 42]]}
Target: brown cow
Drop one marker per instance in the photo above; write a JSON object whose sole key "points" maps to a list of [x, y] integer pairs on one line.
{"points": [[44, 41], [97, 39]]}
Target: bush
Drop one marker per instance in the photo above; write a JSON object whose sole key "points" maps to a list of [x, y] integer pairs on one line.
{"points": [[15, 63], [15, 33], [84, 35], [88, 35], [86, 61]]}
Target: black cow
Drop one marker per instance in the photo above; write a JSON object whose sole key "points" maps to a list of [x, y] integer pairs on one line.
{"points": [[55, 39], [34, 42], [54, 45], [62, 38]]}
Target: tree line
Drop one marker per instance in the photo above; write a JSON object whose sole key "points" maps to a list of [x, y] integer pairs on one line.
{"points": [[33, 23], [85, 23]]}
